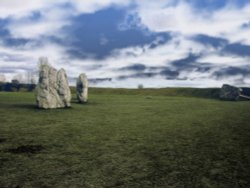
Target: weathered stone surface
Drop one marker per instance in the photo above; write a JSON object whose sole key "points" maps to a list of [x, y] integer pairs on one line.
{"points": [[52, 90], [63, 87], [229, 92], [82, 88]]}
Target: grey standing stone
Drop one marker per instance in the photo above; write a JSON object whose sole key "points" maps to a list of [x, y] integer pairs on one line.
{"points": [[63, 87], [52, 90], [82, 88], [229, 92]]}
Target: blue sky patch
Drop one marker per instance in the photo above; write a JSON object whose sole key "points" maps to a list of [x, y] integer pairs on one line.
{"points": [[97, 35]]}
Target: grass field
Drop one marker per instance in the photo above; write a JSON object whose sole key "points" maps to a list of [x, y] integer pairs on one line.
{"points": [[140, 138]]}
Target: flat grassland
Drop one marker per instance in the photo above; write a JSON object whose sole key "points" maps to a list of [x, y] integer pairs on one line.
{"points": [[140, 138]]}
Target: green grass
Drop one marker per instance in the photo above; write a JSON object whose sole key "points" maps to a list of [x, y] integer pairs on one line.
{"points": [[125, 138], [181, 92]]}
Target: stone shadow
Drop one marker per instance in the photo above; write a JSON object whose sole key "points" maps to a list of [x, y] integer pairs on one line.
{"points": [[26, 106], [2, 140], [29, 149]]}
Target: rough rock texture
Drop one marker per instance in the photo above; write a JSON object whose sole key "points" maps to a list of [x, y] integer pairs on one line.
{"points": [[52, 90], [63, 87], [82, 88], [228, 92]]}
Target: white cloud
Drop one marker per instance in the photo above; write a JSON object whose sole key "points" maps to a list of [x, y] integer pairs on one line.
{"points": [[91, 6], [185, 20], [33, 30], [53, 15], [160, 82], [157, 15], [18, 9], [28, 58], [159, 57], [50, 21], [2, 78]]}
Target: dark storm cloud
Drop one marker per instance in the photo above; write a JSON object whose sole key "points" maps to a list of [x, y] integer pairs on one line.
{"points": [[169, 74], [238, 49], [246, 25], [138, 75], [99, 80], [143, 71], [224, 45], [6, 37], [135, 67], [186, 62], [12, 42], [210, 41], [233, 71], [97, 35], [165, 72]]}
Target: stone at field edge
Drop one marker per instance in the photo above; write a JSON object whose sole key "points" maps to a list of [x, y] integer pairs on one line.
{"points": [[82, 88], [229, 92]]}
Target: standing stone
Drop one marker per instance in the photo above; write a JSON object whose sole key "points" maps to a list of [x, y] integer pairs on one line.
{"points": [[228, 92], [82, 88], [63, 87], [52, 90]]}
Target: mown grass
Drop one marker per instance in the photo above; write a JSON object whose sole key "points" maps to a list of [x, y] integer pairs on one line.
{"points": [[121, 139], [181, 92]]}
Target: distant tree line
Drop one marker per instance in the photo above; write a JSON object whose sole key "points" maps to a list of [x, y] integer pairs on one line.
{"points": [[15, 86], [19, 82]]}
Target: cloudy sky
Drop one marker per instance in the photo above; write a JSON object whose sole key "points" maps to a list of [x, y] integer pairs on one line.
{"points": [[123, 43]]}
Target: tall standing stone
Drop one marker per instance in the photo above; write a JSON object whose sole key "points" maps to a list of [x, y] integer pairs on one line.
{"points": [[63, 87], [82, 88], [52, 90]]}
